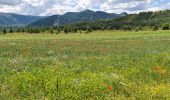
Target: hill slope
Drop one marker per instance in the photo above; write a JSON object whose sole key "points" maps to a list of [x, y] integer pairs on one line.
{"points": [[16, 20], [132, 21], [74, 17]]}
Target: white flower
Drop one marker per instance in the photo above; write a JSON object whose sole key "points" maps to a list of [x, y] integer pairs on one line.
{"points": [[50, 52]]}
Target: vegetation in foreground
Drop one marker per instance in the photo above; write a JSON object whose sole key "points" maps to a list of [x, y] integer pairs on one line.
{"points": [[101, 65]]}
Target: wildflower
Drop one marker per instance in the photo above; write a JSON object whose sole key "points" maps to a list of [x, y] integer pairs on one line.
{"points": [[50, 52], [122, 83], [110, 88], [160, 71]]}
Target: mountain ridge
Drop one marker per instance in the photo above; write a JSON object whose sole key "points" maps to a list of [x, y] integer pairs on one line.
{"points": [[12, 19], [75, 17]]}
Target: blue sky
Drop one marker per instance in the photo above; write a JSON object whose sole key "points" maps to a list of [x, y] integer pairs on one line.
{"points": [[51, 7]]}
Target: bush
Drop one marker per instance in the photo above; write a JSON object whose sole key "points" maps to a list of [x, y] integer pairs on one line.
{"points": [[155, 28], [165, 26], [65, 31]]}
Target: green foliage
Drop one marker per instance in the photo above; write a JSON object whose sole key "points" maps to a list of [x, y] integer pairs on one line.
{"points": [[75, 30], [23, 30], [58, 31], [18, 30], [10, 30], [155, 28], [43, 30], [4, 31], [165, 26], [51, 31], [88, 30], [66, 30]]}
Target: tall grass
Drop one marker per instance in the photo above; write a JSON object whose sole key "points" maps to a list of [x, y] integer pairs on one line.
{"points": [[102, 65]]}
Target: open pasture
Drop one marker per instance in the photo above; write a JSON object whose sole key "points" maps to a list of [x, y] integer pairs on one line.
{"points": [[110, 65]]}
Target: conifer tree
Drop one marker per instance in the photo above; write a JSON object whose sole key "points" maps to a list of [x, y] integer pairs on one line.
{"points": [[51, 31], [4, 31], [65, 30], [10, 30]]}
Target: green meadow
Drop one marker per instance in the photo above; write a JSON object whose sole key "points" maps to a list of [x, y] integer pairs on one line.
{"points": [[102, 65]]}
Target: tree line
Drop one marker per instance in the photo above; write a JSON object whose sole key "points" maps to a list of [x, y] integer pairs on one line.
{"points": [[80, 28], [50, 30]]}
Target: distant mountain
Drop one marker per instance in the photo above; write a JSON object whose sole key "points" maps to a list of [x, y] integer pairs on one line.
{"points": [[10, 19], [75, 17]]}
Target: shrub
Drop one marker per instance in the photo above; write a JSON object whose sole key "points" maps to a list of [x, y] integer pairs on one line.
{"points": [[165, 26], [155, 28], [65, 30]]}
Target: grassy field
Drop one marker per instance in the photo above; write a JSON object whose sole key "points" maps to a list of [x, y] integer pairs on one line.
{"points": [[104, 65]]}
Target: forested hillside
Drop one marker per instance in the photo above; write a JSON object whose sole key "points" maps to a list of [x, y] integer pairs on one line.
{"points": [[143, 20]]}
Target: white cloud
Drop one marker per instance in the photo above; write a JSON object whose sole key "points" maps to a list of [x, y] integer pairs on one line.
{"points": [[126, 5], [10, 2], [50, 7], [9, 9], [56, 10], [154, 9]]}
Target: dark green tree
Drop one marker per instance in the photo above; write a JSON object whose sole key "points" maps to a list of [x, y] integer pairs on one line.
{"points": [[30, 30], [36, 30], [4, 31], [65, 30], [58, 31], [11, 30], [88, 30], [165, 26], [23, 30], [18, 30], [43, 30], [75, 30], [155, 28], [51, 31]]}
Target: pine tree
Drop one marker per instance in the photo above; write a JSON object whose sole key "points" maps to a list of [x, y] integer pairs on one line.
{"points": [[43, 30], [58, 31], [65, 30], [88, 30], [22, 30], [51, 31], [10, 30], [4, 31], [18, 30], [30, 30], [75, 30]]}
